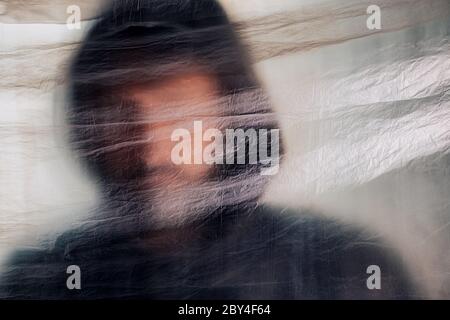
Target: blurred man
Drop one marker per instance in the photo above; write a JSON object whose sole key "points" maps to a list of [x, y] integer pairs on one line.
{"points": [[194, 229]]}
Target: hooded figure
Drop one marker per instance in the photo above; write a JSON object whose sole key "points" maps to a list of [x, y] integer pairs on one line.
{"points": [[147, 76]]}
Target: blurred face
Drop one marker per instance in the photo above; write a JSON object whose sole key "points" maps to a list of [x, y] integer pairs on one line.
{"points": [[165, 106], [172, 104]]}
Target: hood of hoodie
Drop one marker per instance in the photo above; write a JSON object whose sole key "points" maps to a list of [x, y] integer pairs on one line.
{"points": [[135, 42]]}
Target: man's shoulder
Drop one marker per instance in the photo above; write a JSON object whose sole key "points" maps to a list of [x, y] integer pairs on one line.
{"points": [[283, 224], [337, 254], [40, 272], [25, 267], [314, 231]]}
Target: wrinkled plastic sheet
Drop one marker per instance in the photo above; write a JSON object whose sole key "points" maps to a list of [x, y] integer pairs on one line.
{"points": [[365, 116]]}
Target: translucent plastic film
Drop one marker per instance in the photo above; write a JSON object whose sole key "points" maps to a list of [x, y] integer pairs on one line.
{"points": [[169, 125]]}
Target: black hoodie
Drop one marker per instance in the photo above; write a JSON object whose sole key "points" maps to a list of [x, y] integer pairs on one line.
{"points": [[241, 249]]}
